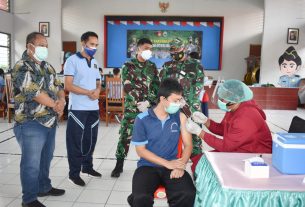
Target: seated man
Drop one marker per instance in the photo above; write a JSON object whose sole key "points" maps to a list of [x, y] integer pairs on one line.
{"points": [[156, 135]]}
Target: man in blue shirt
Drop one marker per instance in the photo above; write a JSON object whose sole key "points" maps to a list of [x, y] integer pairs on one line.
{"points": [[82, 80], [156, 135]]}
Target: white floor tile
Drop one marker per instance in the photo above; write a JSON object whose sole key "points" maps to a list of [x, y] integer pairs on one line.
{"points": [[118, 198], [94, 196]]}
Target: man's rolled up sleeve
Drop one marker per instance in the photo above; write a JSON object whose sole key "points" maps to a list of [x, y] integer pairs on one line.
{"points": [[138, 134]]}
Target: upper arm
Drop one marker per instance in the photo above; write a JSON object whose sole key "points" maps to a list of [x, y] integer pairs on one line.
{"points": [[186, 136], [139, 137]]}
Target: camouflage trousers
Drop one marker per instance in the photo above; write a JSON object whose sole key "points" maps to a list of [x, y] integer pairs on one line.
{"points": [[125, 135]]}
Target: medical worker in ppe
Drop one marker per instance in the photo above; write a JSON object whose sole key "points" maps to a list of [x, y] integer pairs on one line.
{"points": [[243, 128]]}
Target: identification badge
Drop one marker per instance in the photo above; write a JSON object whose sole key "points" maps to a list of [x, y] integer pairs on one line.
{"points": [[182, 72]]}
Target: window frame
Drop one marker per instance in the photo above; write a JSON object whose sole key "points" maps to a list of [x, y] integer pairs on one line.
{"points": [[9, 48], [9, 7]]}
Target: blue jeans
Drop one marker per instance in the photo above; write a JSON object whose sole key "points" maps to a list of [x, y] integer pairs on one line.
{"points": [[81, 137], [37, 144]]}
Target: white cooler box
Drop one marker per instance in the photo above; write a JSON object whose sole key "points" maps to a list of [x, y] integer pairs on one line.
{"points": [[288, 153]]}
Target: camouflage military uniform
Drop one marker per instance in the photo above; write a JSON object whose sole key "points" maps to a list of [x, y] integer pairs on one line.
{"points": [[141, 83], [190, 75]]}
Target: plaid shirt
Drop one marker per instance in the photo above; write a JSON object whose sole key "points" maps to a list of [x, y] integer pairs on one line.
{"points": [[29, 80]]}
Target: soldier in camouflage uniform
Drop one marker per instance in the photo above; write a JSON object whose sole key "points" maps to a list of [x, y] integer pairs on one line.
{"points": [[141, 82], [190, 74]]}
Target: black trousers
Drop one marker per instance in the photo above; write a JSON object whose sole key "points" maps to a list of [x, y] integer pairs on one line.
{"points": [[81, 137], [180, 192]]}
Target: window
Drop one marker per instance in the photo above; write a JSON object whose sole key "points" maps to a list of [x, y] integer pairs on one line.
{"points": [[5, 51], [5, 5]]}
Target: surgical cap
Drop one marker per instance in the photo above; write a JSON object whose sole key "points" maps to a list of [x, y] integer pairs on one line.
{"points": [[234, 91], [177, 43]]}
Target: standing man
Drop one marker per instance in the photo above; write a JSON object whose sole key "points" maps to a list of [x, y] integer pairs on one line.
{"points": [[83, 81], [189, 72], [39, 101], [141, 83]]}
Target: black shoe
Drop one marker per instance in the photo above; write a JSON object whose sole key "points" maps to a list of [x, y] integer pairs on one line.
{"points": [[91, 173], [130, 199], [35, 203], [77, 181], [118, 168], [52, 192]]}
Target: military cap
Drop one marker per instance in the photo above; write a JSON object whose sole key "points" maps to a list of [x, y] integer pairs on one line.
{"points": [[176, 44]]}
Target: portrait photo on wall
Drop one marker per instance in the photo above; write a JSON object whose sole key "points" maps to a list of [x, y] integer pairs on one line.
{"points": [[44, 28], [293, 36]]}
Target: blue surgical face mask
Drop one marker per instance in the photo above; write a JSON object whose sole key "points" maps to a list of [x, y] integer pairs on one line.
{"points": [[41, 53], [90, 51], [222, 105], [172, 108]]}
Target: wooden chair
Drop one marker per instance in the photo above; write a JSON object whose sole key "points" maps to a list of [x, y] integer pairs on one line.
{"points": [[9, 95], [114, 97], [160, 192]]}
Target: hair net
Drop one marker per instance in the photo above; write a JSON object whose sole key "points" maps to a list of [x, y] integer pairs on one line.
{"points": [[234, 91]]}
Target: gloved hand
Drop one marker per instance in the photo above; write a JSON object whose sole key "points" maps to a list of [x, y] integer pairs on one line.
{"points": [[182, 103], [143, 106], [192, 127], [199, 117]]}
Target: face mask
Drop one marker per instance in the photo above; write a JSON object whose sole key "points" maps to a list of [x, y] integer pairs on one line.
{"points": [[146, 54], [90, 51], [41, 53], [172, 108], [222, 105], [177, 55]]}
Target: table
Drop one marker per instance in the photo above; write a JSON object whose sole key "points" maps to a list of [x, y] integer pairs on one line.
{"points": [[221, 182], [268, 97]]}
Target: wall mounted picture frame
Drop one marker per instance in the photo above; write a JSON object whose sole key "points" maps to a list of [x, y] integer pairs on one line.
{"points": [[44, 28], [293, 36]]}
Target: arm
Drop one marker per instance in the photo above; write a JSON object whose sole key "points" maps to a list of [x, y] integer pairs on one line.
{"points": [[187, 140], [154, 87], [69, 86]]}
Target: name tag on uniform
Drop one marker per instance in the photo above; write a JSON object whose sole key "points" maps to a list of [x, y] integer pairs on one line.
{"points": [[182, 72]]}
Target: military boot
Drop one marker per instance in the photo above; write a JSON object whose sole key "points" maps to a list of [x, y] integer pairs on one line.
{"points": [[118, 168]]}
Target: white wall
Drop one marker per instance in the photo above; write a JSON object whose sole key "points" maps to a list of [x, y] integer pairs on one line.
{"points": [[279, 16], [27, 16], [6, 26], [243, 23]]}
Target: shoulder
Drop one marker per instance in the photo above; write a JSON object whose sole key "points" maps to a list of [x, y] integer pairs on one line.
{"points": [[142, 115]]}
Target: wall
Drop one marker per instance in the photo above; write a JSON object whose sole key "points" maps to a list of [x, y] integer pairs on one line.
{"points": [[243, 23], [6, 26], [27, 16], [279, 16]]}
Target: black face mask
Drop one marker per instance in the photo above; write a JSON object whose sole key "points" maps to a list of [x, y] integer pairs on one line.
{"points": [[177, 55]]}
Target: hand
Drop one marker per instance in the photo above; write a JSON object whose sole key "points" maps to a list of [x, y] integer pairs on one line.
{"points": [[182, 103], [176, 173], [59, 105], [173, 164], [143, 106], [192, 127], [94, 94], [199, 117]]}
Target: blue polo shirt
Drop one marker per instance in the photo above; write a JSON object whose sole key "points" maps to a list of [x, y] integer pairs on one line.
{"points": [[85, 74], [159, 137]]}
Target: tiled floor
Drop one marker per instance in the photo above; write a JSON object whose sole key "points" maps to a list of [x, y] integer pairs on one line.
{"points": [[104, 192]]}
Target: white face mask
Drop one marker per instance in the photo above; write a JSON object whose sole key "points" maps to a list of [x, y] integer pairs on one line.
{"points": [[41, 53], [146, 54]]}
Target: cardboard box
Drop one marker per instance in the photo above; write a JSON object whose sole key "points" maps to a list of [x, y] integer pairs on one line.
{"points": [[288, 153], [256, 169]]}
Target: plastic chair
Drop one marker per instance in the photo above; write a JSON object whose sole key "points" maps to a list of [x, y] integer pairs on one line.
{"points": [[297, 125], [160, 192]]}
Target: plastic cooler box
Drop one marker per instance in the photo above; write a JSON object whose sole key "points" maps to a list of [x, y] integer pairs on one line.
{"points": [[288, 153]]}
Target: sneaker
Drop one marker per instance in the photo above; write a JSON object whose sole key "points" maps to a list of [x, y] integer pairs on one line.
{"points": [[130, 199], [116, 172], [35, 203], [91, 173], [77, 181], [52, 192]]}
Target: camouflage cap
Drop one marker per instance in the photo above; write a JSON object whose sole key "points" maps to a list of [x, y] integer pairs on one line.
{"points": [[176, 44]]}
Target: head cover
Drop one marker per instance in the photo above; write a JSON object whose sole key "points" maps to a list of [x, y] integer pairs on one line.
{"points": [[175, 44], [234, 91], [146, 54]]}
